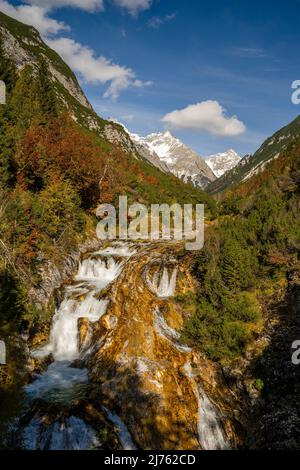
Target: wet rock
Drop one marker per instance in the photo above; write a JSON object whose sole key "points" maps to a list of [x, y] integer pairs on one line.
{"points": [[84, 331]]}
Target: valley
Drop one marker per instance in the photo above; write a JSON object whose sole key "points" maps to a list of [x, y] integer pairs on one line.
{"points": [[139, 345]]}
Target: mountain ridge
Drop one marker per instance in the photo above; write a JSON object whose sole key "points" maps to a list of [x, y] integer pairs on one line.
{"points": [[251, 165], [182, 161], [223, 162], [24, 46], [171, 155]]}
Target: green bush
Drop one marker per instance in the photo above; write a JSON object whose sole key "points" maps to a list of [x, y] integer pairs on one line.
{"points": [[11, 297], [221, 333]]}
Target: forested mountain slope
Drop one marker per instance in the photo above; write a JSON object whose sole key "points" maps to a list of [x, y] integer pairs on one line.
{"points": [[252, 165], [58, 160], [23, 45]]}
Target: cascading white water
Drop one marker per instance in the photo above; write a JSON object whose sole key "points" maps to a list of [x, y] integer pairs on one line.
{"points": [[123, 433], [117, 249], [63, 342], [80, 301], [210, 429], [164, 286], [71, 433], [171, 335], [94, 274], [98, 272]]}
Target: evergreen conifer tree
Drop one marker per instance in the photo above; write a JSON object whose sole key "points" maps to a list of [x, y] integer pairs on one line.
{"points": [[46, 92]]}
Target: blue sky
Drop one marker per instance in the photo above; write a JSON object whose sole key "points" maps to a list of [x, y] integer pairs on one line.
{"points": [[147, 59]]}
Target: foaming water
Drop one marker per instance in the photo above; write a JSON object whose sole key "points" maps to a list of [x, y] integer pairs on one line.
{"points": [[118, 249], [98, 272], [60, 382], [122, 430], [210, 428], [58, 377], [164, 286], [66, 434], [63, 343], [168, 333]]}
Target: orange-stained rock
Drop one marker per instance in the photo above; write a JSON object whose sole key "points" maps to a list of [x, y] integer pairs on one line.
{"points": [[83, 330], [141, 372]]}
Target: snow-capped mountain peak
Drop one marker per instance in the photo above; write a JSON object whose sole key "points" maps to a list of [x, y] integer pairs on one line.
{"points": [[223, 162], [182, 161], [164, 144], [170, 155]]}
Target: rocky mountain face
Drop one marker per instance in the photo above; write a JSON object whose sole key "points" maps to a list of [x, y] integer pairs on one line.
{"points": [[24, 45], [146, 152], [170, 154], [223, 162], [255, 164]]}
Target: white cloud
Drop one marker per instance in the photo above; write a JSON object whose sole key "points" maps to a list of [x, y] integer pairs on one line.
{"points": [[89, 5], [207, 116], [36, 12], [34, 15], [82, 59], [134, 6], [96, 70], [156, 21]]}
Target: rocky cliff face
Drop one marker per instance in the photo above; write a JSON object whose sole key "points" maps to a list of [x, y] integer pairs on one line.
{"points": [[274, 420], [143, 371], [29, 49], [223, 162], [24, 46], [171, 155], [147, 153]]}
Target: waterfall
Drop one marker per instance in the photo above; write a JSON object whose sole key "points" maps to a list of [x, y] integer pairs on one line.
{"points": [[168, 333], [210, 428], [123, 433], [63, 342], [98, 273], [2, 353], [59, 381], [69, 433], [165, 285], [94, 274], [117, 249]]}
